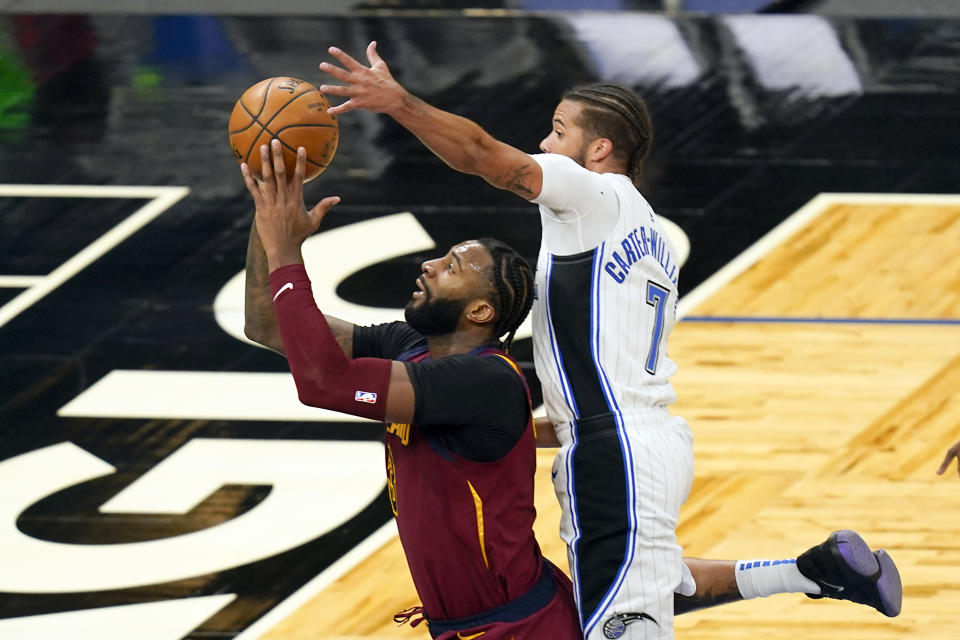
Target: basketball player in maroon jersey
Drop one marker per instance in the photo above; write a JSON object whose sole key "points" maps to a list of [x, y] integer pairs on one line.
{"points": [[460, 443]]}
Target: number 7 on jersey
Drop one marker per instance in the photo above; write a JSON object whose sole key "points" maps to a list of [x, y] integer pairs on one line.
{"points": [[657, 298]]}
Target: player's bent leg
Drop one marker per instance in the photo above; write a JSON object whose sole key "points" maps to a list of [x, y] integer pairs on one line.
{"points": [[724, 581], [843, 567]]}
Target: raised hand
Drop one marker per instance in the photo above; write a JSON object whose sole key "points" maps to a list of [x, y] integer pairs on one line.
{"points": [[371, 88], [283, 221], [952, 452]]}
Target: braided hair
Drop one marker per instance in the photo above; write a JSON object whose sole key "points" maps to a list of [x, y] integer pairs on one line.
{"points": [[616, 112], [511, 278]]}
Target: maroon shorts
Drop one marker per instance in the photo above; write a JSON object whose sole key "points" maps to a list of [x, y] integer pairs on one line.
{"points": [[535, 615]]}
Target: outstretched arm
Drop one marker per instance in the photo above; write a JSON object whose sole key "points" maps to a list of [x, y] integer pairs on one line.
{"points": [[459, 142], [325, 376], [260, 321], [952, 452]]}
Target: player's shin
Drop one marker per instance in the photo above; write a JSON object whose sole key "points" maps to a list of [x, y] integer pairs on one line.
{"points": [[761, 578]]}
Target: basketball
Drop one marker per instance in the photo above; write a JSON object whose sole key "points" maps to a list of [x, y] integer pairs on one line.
{"points": [[292, 111]]}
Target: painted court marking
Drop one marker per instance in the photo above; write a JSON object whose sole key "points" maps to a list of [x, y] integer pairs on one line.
{"points": [[159, 199], [197, 395], [776, 236]]}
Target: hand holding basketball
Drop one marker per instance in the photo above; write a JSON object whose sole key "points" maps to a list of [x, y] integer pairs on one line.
{"points": [[291, 111], [282, 220]]}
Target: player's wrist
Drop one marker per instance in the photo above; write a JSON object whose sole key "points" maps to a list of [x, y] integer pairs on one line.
{"points": [[283, 257], [406, 107]]}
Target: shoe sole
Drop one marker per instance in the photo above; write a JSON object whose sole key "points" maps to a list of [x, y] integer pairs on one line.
{"points": [[889, 585], [876, 565]]}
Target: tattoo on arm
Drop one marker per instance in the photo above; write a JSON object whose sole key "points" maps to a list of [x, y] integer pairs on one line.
{"points": [[517, 180], [413, 103]]}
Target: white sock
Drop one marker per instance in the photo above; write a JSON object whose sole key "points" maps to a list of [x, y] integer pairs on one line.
{"points": [[762, 578]]}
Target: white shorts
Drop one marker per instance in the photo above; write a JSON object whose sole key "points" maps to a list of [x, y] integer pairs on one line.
{"points": [[620, 483]]}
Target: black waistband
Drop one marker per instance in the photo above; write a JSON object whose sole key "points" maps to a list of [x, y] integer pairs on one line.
{"points": [[525, 605], [596, 425]]}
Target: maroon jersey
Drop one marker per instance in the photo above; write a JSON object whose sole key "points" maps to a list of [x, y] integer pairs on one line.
{"points": [[461, 476]]}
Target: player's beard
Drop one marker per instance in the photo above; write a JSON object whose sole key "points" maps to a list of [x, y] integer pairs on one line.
{"points": [[434, 316], [581, 156]]}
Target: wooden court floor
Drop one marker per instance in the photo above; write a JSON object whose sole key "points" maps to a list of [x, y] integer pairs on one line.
{"points": [[820, 375]]}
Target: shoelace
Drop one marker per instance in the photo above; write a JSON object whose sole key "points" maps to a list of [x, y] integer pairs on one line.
{"points": [[407, 615]]}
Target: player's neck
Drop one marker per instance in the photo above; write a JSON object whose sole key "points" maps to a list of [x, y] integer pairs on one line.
{"points": [[450, 344], [606, 165]]}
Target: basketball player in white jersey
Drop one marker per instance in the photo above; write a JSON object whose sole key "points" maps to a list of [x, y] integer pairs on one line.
{"points": [[606, 296]]}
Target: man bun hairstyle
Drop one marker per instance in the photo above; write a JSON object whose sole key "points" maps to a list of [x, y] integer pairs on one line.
{"points": [[512, 280], [616, 112]]}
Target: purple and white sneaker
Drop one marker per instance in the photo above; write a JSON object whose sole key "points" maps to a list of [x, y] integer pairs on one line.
{"points": [[847, 569]]}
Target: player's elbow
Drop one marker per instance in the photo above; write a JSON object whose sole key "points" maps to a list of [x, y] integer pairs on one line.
{"points": [[266, 337], [317, 386], [314, 392], [312, 398], [256, 333], [252, 332]]}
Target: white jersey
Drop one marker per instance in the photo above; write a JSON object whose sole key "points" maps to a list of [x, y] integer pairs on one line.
{"points": [[605, 297]]}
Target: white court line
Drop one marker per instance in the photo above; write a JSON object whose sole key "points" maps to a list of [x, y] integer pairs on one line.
{"points": [[19, 282], [161, 199], [323, 580], [196, 395], [801, 218], [83, 191]]}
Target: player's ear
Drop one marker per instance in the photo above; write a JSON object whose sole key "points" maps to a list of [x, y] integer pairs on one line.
{"points": [[599, 149], [480, 311]]}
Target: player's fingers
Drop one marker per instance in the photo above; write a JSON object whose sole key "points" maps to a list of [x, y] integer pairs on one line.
{"points": [[279, 168], [266, 169], [317, 214], [946, 462], [336, 90], [301, 170], [349, 105], [345, 59], [252, 187], [372, 54], [335, 71]]}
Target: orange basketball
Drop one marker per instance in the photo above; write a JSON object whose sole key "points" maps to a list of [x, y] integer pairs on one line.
{"points": [[290, 110]]}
